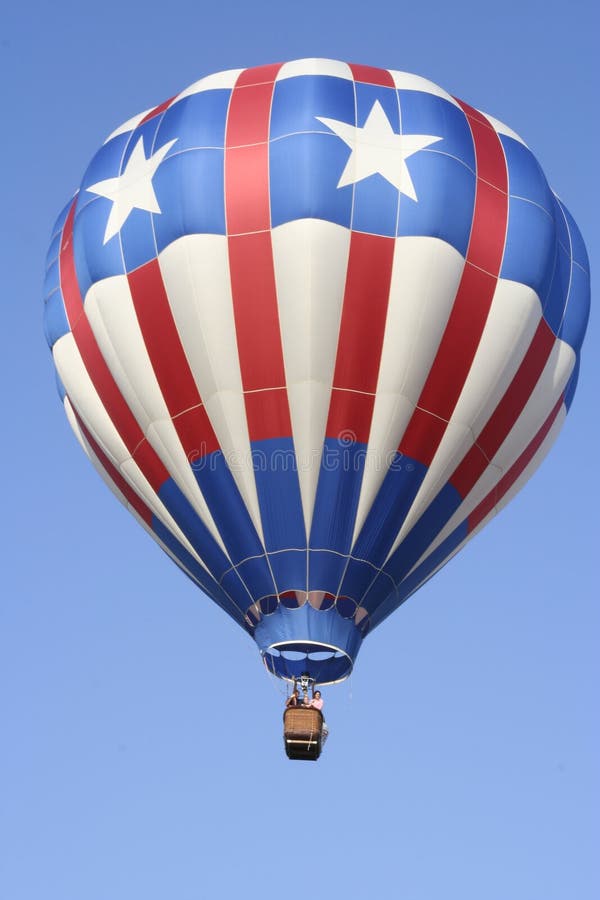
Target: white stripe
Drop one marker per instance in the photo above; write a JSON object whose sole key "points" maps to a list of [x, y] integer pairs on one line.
{"points": [[543, 398], [214, 82], [310, 257], [315, 66], [405, 81], [136, 480], [519, 483], [514, 315], [501, 128], [195, 271], [129, 125], [425, 277]]}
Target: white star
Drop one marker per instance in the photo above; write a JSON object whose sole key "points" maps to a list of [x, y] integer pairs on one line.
{"points": [[377, 148], [132, 189]]}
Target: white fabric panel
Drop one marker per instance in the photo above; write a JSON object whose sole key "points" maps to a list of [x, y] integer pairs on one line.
{"points": [[310, 258], [519, 483], [195, 271], [136, 480], [425, 277], [315, 67], [514, 315], [501, 128], [226, 79], [129, 125], [405, 81], [110, 311]]}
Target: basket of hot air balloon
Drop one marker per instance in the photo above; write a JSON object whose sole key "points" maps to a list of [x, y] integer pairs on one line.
{"points": [[303, 732], [315, 324]]}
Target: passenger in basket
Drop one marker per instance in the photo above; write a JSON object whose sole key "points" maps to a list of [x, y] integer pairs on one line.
{"points": [[292, 700]]}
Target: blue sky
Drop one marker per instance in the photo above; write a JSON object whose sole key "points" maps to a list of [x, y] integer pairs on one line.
{"points": [[141, 752]]}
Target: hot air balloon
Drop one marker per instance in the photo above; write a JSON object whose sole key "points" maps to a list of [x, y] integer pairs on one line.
{"points": [[315, 324]]}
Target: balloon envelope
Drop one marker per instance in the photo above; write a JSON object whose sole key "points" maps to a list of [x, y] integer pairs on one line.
{"points": [[315, 324]]}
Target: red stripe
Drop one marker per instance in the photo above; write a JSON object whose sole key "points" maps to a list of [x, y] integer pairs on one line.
{"points": [[115, 476], [106, 387], [169, 361], [252, 273], [371, 75], [473, 298], [156, 111], [362, 331], [507, 481], [506, 413]]}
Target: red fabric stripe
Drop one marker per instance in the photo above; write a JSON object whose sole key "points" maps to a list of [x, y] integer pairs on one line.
{"points": [[156, 111], [507, 481], [506, 413], [115, 476], [251, 255], [473, 298], [105, 385], [371, 75], [169, 361], [362, 331]]}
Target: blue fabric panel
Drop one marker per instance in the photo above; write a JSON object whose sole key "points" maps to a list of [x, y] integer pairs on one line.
{"points": [[137, 239], [357, 578], [308, 624], [325, 570], [279, 494], [423, 113], [209, 586], [227, 507], [195, 531], [390, 507], [381, 591], [577, 312], [304, 170], [553, 305], [375, 206], [60, 221], [578, 250], [322, 671], [53, 249], [55, 320], [195, 121], [290, 570], [298, 101], [105, 164], [530, 246], [366, 97], [572, 384], [95, 260], [189, 190], [62, 392], [146, 133], [525, 177], [256, 575], [422, 535], [407, 587], [446, 195], [52, 279]]}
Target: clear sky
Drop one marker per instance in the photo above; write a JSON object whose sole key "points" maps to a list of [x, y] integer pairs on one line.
{"points": [[134, 761]]}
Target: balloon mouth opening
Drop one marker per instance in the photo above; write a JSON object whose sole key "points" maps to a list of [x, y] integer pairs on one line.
{"points": [[325, 663]]}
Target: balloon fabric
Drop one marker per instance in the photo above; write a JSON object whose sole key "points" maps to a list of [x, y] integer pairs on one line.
{"points": [[315, 324]]}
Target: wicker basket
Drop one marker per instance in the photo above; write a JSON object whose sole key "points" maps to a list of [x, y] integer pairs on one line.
{"points": [[302, 732]]}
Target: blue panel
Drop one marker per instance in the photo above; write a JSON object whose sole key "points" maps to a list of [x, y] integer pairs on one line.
{"points": [[525, 177], [357, 578], [325, 570], [423, 113], [95, 260], [578, 250], [137, 239], [382, 591], [389, 509], [572, 384], [196, 121], [227, 507], [290, 570], [298, 101], [55, 320], [554, 305], [337, 495], [256, 575], [279, 494], [426, 568], [53, 249], [190, 192], [375, 206], [209, 586], [52, 279], [105, 164], [147, 134], [446, 194], [578, 309], [530, 246], [195, 531], [304, 171], [366, 97], [61, 219]]}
